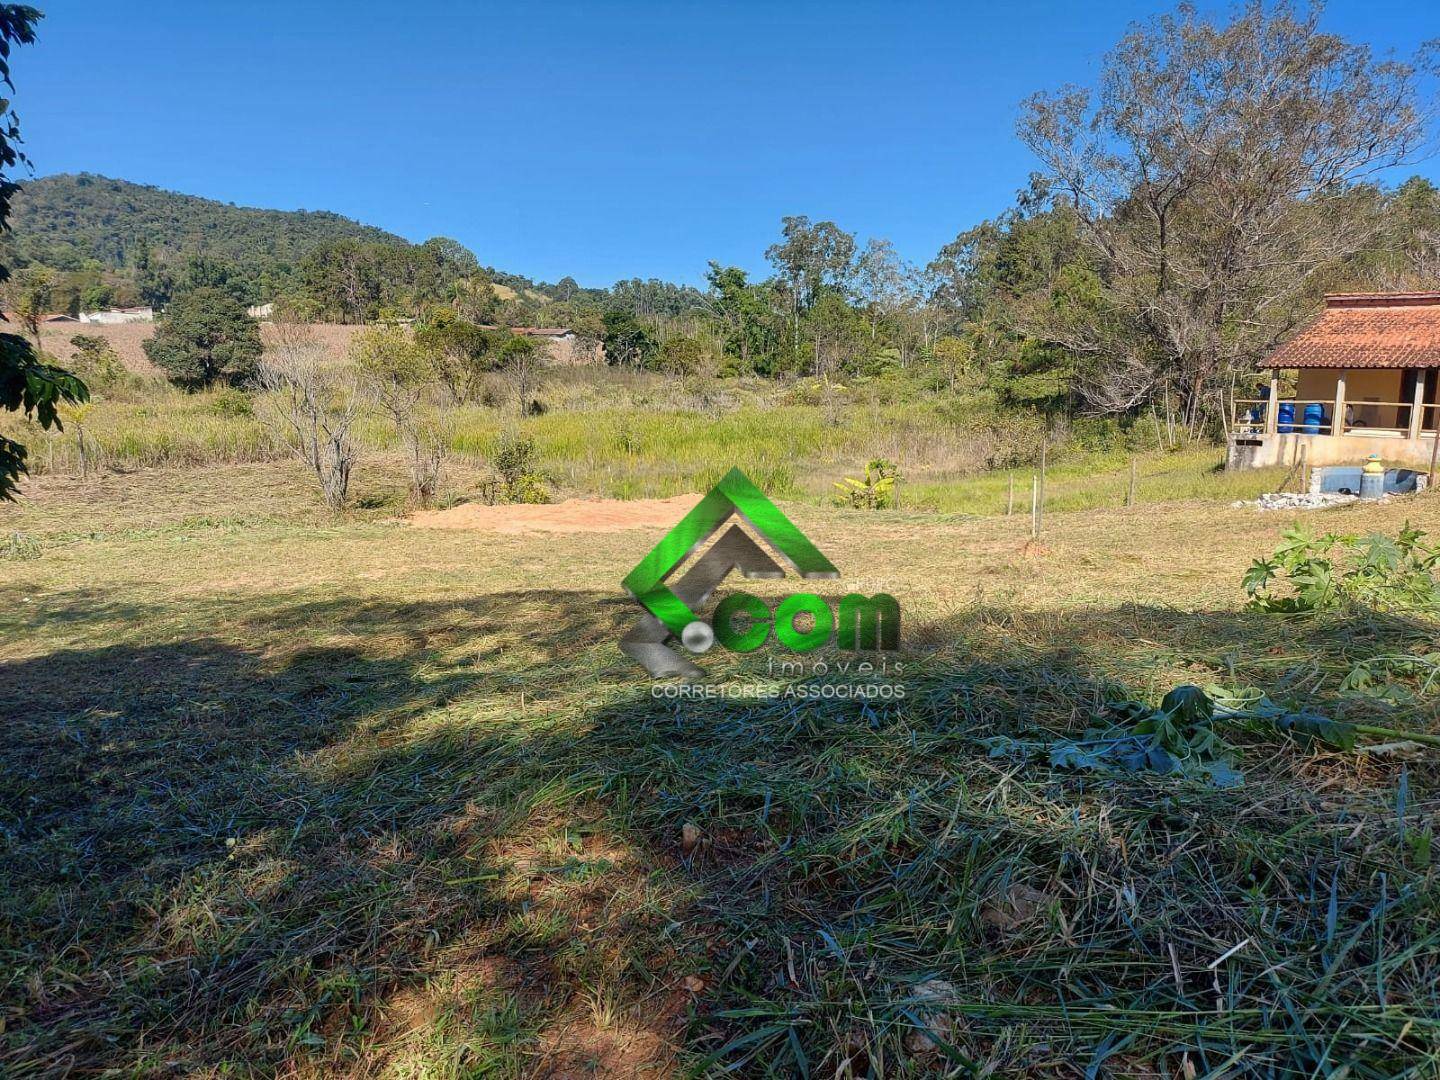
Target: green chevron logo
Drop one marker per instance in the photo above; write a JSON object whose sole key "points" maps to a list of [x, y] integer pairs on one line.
{"points": [[672, 611]]}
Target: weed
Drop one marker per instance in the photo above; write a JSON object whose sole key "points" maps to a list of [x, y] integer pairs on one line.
{"points": [[16, 545], [1335, 571]]}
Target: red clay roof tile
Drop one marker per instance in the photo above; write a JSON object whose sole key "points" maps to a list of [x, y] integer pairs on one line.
{"points": [[1368, 330]]}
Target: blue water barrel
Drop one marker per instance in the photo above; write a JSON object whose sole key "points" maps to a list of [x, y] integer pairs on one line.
{"points": [[1287, 417], [1314, 417]]}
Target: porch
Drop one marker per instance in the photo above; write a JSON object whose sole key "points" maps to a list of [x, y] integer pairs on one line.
{"points": [[1367, 372]]}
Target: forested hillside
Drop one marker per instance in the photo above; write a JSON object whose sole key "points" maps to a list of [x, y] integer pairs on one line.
{"points": [[69, 222]]}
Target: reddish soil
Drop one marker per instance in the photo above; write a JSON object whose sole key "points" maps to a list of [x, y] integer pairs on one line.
{"points": [[127, 339], [570, 516]]}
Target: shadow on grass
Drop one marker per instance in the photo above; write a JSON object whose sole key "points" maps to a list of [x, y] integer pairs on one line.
{"points": [[254, 848]]}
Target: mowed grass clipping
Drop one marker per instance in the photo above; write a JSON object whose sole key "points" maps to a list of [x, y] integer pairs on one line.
{"points": [[284, 793]]}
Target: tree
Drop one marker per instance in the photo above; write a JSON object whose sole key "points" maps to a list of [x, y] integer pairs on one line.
{"points": [[29, 294], [744, 315], [27, 384], [459, 351], [954, 355], [1218, 177], [397, 373], [810, 257], [882, 283], [206, 336], [627, 342], [520, 359], [312, 408]]}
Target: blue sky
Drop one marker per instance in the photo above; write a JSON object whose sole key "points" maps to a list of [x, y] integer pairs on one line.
{"points": [[601, 140]]}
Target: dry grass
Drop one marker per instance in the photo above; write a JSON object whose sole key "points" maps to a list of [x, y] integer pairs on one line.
{"points": [[127, 339], [283, 793]]}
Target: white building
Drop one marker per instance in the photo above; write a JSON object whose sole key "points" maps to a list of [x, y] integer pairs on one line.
{"points": [[114, 316]]}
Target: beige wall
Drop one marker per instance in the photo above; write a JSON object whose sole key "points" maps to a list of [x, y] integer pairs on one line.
{"points": [[1318, 384], [1261, 451]]}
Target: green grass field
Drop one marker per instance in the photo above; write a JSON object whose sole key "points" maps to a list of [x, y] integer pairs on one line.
{"points": [[284, 793]]}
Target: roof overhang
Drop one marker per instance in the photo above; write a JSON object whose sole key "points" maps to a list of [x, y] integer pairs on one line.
{"points": [[1368, 330]]}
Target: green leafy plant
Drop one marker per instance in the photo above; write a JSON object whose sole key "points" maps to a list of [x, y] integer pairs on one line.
{"points": [[232, 402], [1308, 574], [1178, 737], [96, 361], [874, 491], [521, 481]]}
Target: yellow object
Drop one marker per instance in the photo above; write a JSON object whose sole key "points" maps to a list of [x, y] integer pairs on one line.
{"points": [[1374, 465]]}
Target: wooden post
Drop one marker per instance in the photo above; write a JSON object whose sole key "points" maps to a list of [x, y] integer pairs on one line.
{"points": [[1034, 506], [1272, 405], [1044, 453], [1337, 422], [1434, 449], [1417, 407], [1130, 493], [1010, 497]]}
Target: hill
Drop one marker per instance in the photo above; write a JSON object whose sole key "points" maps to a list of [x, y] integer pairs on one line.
{"points": [[67, 220]]}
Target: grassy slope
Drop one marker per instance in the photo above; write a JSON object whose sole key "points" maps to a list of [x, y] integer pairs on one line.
{"points": [[284, 792]]}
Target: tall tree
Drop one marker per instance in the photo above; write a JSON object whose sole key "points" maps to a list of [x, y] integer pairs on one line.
{"points": [[29, 296], [27, 384], [881, 281], [810, 257], [205, 338], [1216, 176]]}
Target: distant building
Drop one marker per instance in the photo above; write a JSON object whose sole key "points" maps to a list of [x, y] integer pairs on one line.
{"points": [[114, 316], [260, 311], [562, 345]]}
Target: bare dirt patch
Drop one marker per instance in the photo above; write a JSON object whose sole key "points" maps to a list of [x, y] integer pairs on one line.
{"points": [[570, 516], [128, 340]]}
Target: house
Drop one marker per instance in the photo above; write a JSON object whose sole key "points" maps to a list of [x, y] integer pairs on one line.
{"points": [[114, 316], [260, 311], [561, 345], [1366, 379]]}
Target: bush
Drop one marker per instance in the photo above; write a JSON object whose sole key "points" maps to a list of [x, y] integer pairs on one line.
{"points": [[520, 478], [1333, 572], [96, 361], [232, 403]]}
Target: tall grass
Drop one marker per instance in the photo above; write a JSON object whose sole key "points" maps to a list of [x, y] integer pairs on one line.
{"points": [[627, 435]]}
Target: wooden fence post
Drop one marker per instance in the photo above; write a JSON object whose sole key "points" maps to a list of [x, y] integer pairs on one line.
{"points": [[1040, 505], [1130, 494], [1010, 497], [1034, 506]]}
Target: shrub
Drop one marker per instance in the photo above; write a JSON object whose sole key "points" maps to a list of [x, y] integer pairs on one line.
{"points": [[1333, 572], [96, 361], [312, 410], [875, 491], [520, 478], [232, 403]]}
